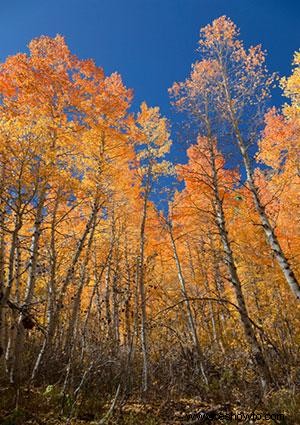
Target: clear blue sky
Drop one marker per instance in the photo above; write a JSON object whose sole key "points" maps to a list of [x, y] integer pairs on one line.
{"points": [[151, 43]]}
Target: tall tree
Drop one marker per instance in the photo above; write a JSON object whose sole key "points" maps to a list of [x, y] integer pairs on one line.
{"points": [[152, 144], [238, 91]]}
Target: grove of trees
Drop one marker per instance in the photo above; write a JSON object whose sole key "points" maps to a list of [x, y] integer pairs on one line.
{"points": [[104, 298]]}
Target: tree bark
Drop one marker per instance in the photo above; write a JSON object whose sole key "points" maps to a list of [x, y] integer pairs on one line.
{"points": [[20, 333], [141, 283], [256, 350], [268, 228], [191, 322]]}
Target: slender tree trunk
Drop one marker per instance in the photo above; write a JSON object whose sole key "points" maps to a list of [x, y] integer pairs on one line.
{"points": [[2, 262], [115, 310], [34, 251], [97, 281], [256, 350], [191, 322], [12, 334], [268, 228], [70, 336], [77, 299], [51, 291], [54, 314], [136, 309], [142, 292], [2, 279], [219, 288], [6, 290], [128, 301], [74, 262], [107, 296]]}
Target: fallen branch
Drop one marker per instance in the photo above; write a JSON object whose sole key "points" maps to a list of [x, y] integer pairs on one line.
{"points": [[111, 409]]}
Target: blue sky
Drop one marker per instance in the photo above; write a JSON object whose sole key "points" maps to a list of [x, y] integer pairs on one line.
{"points": [[152, 43]]}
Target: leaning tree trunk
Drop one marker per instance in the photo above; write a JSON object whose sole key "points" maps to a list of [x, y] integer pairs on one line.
{"points": [[268, 228], [256, 350], [70, 337], [55, 316], [77, 299]]}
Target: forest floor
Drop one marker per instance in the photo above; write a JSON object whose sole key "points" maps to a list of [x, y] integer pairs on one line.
{"points": [[38, 410]]}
